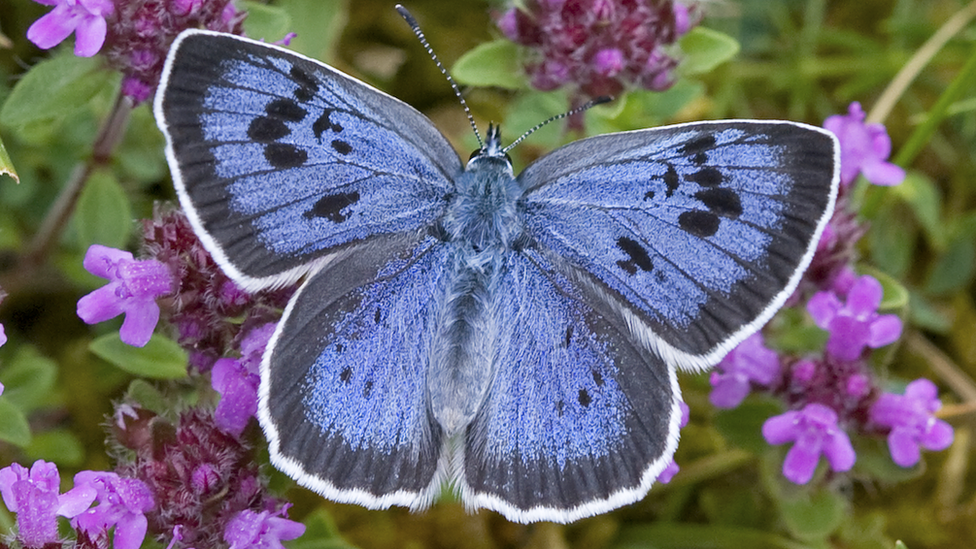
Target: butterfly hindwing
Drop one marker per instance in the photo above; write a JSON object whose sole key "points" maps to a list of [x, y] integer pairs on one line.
{"points": [[579, 418], [280, 160], [698, 231], [344, 383]]}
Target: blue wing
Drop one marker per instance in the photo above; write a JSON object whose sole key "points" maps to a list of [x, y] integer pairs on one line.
{"points": [[697, 233], [579, 417], [280, 160], [343, 396]]}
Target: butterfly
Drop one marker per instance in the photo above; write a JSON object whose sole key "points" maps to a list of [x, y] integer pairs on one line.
{"points": [[515, 337]]}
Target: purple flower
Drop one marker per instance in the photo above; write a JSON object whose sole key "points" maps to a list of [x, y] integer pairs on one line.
{"points": [[85, 18], [122, 503], [863, 148], [132, 289], [237, 382], [34, 496], [856, 324], [750, 362], [260, 530], [672, 469], [814, 431], [601, 46], [911, 421], [3, 336]]}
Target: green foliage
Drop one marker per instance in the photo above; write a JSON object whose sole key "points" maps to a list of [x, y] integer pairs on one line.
{"points": [[161, 358]]}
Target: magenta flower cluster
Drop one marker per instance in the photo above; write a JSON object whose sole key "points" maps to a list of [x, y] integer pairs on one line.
{"points": [[599, 46], [836, 394], [134, 35]]}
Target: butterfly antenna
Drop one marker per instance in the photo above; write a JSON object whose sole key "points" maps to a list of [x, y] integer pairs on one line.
{"points": [[430, 51], [591, 103]]}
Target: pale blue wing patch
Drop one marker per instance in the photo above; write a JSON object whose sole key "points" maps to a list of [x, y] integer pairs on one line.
{"points": [[280, 160], [699, 231], [579, 418], [343, 396]]}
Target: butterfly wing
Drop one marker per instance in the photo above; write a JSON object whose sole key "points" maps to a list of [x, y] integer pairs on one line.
{"points": [[343, 395], [579, 418], [280, 160], [697, 232]]}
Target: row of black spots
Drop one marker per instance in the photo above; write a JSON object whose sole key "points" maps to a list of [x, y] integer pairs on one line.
{"points": [[345, 376], [639, 258], [721, 203], [325, 123], [582, 397], [272, 126], [332, 206], [696, 149]]}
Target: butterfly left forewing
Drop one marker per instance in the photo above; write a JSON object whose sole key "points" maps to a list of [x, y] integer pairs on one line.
{"points": [[696, 233], [280, 160], [578, 418]]}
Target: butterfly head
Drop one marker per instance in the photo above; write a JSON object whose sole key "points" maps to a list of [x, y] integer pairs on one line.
{"points": [[491, 152]]}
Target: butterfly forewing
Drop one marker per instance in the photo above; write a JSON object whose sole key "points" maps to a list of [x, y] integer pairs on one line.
{"points": [[579, 417], [280, 160], [697, 232], [343, 388]]}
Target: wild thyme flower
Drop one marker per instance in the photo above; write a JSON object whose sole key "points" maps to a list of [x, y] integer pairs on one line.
{"points": [[864, 148], [141, 31], [237, 382], [911, 422], [85, 18], [35, 496], [814, 431], [261, 530], [132, 290], [205, 299], [122, 504], [199, 476], [598, 46], [855, 324], [750, 362]]}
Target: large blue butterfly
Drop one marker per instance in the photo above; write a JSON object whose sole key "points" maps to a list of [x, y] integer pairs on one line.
{"points": [[517, 337]]}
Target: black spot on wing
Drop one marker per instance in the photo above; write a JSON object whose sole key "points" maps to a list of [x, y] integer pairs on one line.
{"points": [[378, 316], [367, 388], [724, 202], [569, 334], [286, 109], [671, 180], [698, 145], [638, 256], [699, 223], [265, 129], [331, 206], [345, 375], [706, 177], [324, 123], [283, 155], [584, 398], [307, 86], [598, 378], [649, 195], [341, 147]]}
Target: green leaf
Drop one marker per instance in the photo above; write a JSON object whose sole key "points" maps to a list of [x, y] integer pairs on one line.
{"points": [[103, 214], [922, 196], [53, 89], [59, 445], [704, 49], [892, 249], [264, 22], [28, 379], [814, 516], [954, 268], [895, 297], [161, 358], [317, 24], [6, 166], [13, 424], [491, 64], [147, 396], [742, 426]]}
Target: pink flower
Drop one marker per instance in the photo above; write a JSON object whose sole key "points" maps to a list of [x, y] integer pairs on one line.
{"points": [[814, 431], [85, 18], [911, 421], [260, 530], [856, 324], [864, 148], [35, 496], [132, 290], [750, 362]]}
